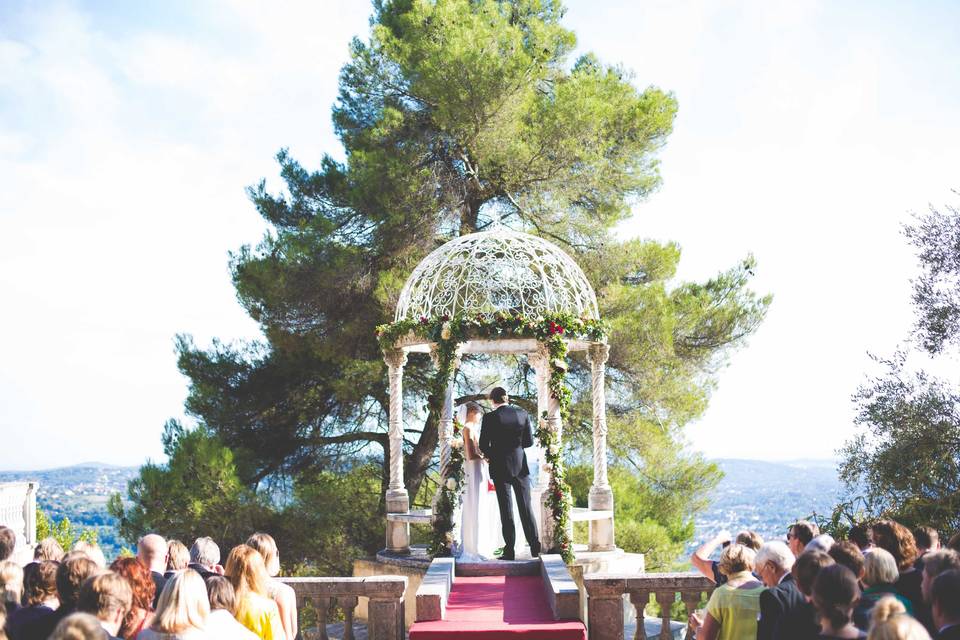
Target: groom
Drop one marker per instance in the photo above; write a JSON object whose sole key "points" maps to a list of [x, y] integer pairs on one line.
{"points": [[504, 433]]}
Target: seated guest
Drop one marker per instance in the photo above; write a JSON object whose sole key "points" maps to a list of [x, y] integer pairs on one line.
{"points": [[849, 555], [890, 621], [72, 572], [255, 609], [928, 541], [773, 564], [862, 536], [823, 542], [954, 542], [8, 543], [48, 549], [800, 535], [142, 590], [107, 596], [734, 606], [282, 594], [898, 540], [152, 552], [11, 585], [879, 579], [801, 622], [945, 605], [92, 550], [934, 564], [178, 557], [182, 610], [205, 558], [222, 625], [39, 596], [835, 592], [79, 626], [700, 559]]}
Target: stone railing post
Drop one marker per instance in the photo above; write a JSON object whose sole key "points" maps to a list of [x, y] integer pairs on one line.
{"points": [[30, 514], [601, 495], [605, 607], [384, 610], [398, 533]]}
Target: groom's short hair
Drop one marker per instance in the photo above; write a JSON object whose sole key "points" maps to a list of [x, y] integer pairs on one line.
{"points": [[498, 395]]}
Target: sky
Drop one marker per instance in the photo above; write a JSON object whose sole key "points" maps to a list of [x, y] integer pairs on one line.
{"points": [[808, 132]]}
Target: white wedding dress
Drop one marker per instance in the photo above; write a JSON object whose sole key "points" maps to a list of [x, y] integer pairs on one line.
{"points": [[480, 524]]}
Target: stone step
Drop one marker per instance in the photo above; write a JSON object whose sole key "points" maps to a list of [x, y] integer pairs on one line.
{"points": [[498, 568]]}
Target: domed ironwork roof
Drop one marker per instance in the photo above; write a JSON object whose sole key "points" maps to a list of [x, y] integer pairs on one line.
{"points": [[497, 270]]}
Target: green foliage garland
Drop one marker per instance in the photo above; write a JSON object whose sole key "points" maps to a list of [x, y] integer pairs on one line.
{"points": [[451, 495], [552, 330]]}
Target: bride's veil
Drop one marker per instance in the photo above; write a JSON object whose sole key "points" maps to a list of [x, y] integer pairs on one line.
{"points": [[462, 414]]}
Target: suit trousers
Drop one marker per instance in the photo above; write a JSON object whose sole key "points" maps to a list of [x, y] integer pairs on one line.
{"points": [[521, 487]]}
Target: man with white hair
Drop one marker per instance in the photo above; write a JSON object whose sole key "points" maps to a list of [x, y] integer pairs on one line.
{"points": [[773, 564], [152, 552], [205, 557]]}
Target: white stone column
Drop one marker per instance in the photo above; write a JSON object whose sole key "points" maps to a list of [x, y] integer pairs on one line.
{"points": [[546, 402], [398, 533], [30, 514], [601, 495], [446, 415]]}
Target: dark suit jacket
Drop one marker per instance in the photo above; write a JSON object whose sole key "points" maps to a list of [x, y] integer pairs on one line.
{"points": [[775, 602], [42, 627], [159, 582], [950, 633], [504, 434], [799, 622]]}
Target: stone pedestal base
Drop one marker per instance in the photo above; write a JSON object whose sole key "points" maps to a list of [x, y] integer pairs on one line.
{"points": [[601, 531], [398, 533]]}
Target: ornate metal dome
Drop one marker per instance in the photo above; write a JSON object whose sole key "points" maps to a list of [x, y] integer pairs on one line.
{"points": [[496, 270]]}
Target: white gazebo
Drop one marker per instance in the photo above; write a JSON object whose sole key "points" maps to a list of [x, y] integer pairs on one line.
{"points": [[484, 273]]}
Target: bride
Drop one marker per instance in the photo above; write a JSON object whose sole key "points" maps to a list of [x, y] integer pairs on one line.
{"points": [[481, 519]]}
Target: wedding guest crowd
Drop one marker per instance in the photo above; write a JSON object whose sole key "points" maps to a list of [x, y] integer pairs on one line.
{"points": [[165, 592], [882, 582]]}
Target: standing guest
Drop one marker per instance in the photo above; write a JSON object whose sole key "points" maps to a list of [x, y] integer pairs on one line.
{"points": [[862, 536], [954, 542], [152, 552], [142, 589], [281, 593], [801, 622], [107, 596], [800, 535], [11, 585], [79, 626], [205, 558], [773, 564], [255, 609], [928, 541], [890, 621], [93, 551], [734, 606], [39, 596], [222, 625], [835, 592], [700, 558], [48, 549], [898, 540], [75, 568], [182, 610], [178, 557], [849, 555], [880, 575], [934, 564], [8, 543], [945, 601]]}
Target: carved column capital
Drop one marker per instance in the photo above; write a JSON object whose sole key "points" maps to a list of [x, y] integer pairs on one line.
{"points": [[395, 358], [598, 352]]}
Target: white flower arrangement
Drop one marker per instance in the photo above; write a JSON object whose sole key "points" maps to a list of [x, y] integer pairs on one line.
{"points": [[451, 484], [456, 443], [446, 331]]}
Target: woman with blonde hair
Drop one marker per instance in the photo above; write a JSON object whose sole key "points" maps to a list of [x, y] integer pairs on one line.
{"points": [[178, 557], [280, 593], [182, 610], [255, 609], [79, 626], [890, 621], [734, 606], [11, 585]]}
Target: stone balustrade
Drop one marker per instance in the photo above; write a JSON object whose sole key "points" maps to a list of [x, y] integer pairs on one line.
{"points": [[385, 607], [605, 599], [18, 510]]}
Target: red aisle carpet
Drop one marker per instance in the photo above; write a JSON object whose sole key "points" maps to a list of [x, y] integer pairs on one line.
{"points": [[494, 607]]}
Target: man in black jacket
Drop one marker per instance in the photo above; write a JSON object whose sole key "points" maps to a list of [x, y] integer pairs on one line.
{"points": [[773, 564], [945, 595], [504, 433]]}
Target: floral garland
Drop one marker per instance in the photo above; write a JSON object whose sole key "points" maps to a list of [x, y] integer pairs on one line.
{"points": [[449, 499], [448, 333]]}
